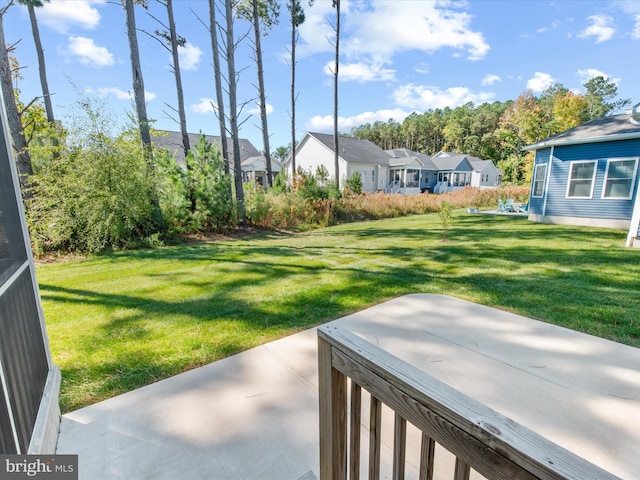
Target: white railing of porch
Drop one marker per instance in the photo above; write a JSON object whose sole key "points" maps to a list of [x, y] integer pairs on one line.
{"points": [[440, 187], [394, 187]]}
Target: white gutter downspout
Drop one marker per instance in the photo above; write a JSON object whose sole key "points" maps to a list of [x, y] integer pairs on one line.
{"points": [[546, 183], [635, 220]]}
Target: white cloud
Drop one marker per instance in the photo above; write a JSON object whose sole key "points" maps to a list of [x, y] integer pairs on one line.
{"points": [[88, 53], [324, 124], [540, 82], [554, 25], [421, 97], [601, 28], [390, 27], [361, 72], [122, 94], [315, 30], [205, 105], [636, 29], [62, 15], [256, 110], [587, 74], [189, 57], [490, 79], [379, 29]]}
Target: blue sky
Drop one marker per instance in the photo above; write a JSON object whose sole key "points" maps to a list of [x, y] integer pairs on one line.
{"points": [[397, 57]]}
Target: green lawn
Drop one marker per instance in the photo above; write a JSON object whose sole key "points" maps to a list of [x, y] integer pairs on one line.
{"points": [[120, 321]]}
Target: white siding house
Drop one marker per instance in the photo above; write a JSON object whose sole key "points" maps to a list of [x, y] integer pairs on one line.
{"points": [[362, 156]]}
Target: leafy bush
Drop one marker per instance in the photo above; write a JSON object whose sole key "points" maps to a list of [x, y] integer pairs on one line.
{"points": [[93, 196]]}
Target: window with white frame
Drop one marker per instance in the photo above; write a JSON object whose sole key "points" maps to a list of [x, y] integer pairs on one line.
{"points": [[618, 182], [539, 175], [581, 179]]}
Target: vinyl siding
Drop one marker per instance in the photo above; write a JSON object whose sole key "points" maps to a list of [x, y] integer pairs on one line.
{"points": [[536, 204], [312, 154], [596, 207]]}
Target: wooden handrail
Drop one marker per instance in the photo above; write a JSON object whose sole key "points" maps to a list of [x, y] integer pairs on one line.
{"points": [[480, 438]]}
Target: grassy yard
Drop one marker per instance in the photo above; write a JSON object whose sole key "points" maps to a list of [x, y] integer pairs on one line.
{"points": [[120, 321]]}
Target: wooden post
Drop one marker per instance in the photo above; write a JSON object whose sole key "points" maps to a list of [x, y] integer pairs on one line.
{"points": [[333, 417], [375, 438], [356, 416]]}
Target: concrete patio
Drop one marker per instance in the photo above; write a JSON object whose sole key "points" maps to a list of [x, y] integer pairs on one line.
{"points": [[255, 415]]}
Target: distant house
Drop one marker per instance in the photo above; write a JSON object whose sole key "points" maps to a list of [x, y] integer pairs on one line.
{"points": [[252, 162], [589, 175], [482, 173], [409, 172], [362, 156], [254, 169], [394, 171]]}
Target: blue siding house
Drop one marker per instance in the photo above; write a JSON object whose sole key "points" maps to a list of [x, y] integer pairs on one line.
{"points": [[589, 175]]}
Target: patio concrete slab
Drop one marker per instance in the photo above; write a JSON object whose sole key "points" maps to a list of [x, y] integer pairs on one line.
{"points": [[255, 415]]}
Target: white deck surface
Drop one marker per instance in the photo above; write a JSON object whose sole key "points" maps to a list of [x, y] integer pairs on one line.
{"points": [[255, 415]]}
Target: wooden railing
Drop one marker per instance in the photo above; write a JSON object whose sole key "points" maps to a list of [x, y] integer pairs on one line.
{"points": [[480, 438]]}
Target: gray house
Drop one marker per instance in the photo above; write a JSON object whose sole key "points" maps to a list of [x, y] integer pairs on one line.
{"points": [[252, 163], [588, 175], [394, 171]]}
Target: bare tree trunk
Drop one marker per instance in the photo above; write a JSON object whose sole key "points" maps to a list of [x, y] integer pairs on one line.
{"points": [[138, 81], [41, 64], [294, 29], [181, 113], [263, 100], [141, 107], [176, 70], [233, 112], [336, 146], [23, 159], [213, 27]]}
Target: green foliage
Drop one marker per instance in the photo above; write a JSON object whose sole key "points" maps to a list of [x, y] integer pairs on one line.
{"points": [[280, 183], [355, 183], [173, 194], [600, 96], [281, 153], [255, 203], [206, 180], [322, 175], [92, 197], [446, 217]]}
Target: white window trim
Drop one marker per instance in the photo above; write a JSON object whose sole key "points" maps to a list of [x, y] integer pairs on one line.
{"points": [[535, 178], [633, 177], [593, 179]]}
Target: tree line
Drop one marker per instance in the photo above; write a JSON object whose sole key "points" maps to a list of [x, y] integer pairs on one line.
{"points": [[497, 131]]}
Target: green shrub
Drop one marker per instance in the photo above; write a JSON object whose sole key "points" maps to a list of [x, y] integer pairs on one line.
{"points": [[95, 195], [211, 187]]}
